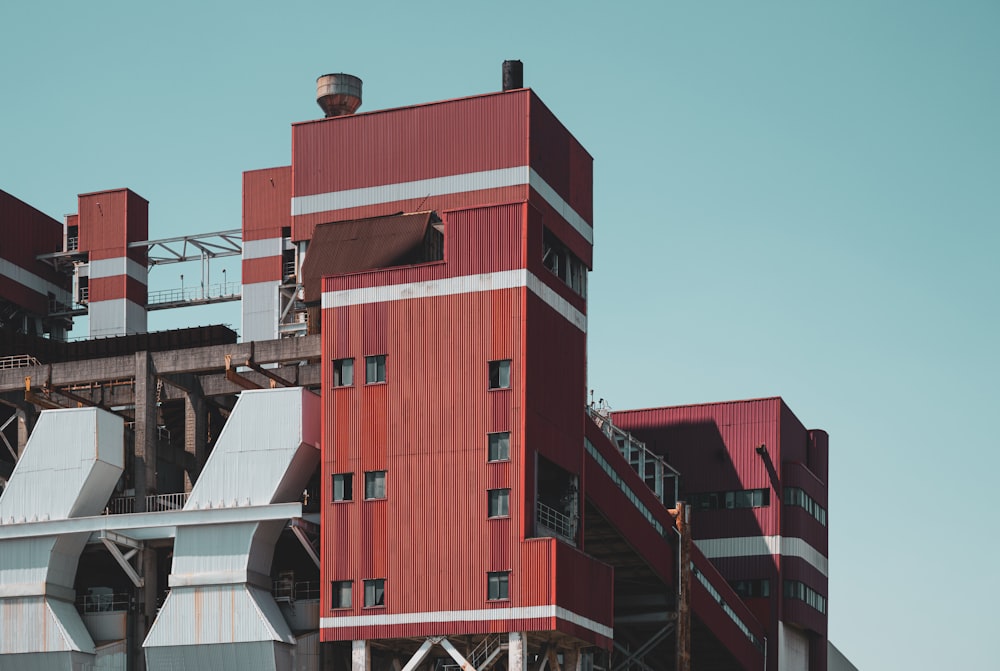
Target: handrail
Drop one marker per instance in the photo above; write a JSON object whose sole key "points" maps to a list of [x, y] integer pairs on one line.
{"points": [[125, 505]]}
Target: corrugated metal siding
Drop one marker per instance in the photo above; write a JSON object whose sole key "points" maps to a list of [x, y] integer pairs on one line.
{"points": [[109, 220], [561, 160], [713, 446], [267, 198], [480, 240], [555, 385], [435, 412], [410, 143], [535, 250], [27, 233]]}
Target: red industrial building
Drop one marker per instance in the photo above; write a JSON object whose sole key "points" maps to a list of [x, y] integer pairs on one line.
{"points": [[424, 271]]}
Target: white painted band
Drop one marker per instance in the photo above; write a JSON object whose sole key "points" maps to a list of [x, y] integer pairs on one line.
{"points": [[756, 546], [439, 186], [465, 284], [116, 267], [484, 615], [262, 249], [28, 279]]}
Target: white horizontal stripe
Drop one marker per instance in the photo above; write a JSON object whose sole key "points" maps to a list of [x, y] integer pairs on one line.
{"points": [[466, 284], [755, 546], [116, 267], [28, 279], [439, 186], [450, 616], [561, 206], [262, 249]]}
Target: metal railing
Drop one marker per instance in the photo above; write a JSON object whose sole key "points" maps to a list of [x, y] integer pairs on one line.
{"points": [[288, 590], [552, 519], [288, 267], [102, 603], [18, 361], [487, 650], [226, 290], [654, 470], [125, 505]]}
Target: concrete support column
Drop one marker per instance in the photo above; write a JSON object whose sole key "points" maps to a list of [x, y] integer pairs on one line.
{"points": [[572, 660], [145, 430], [361, 656], [195, 433], [517, 651]]}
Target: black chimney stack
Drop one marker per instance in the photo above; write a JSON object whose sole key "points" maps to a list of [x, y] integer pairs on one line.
{"points": [[513, 75]]}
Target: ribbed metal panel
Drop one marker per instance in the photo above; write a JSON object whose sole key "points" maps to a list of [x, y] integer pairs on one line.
{"points": [[259, 448], [410, 143], [267, 196], [27, 233], [109, 220], [714, 448], [561, 160]]}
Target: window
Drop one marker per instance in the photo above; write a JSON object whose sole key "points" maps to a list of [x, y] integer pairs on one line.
{"points": [[375, 485], [751, 588], [744, 498], [499, 502], [340, 594], [374, 593], [795, 496], [343, 372], [797, 590], [564, 264], [497, 583], [374, 369], [499, 446], [500, 374], [343, 486]]}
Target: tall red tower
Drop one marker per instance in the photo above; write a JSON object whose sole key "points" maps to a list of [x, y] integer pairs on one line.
{"points": [[454, 348]]}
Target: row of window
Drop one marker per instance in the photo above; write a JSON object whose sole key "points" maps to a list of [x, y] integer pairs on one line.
{"points": [[797, 590], [751, 589], [744, 498], [564, 264], [797, 497], [498, 500], [341, 591], [343, 486], [343, 372]]}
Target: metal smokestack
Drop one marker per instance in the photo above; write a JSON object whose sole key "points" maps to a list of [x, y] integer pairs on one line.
{"points": [[338, 94], [513, 75]]}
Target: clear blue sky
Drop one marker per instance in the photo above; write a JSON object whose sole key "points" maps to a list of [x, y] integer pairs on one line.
{"points": [[791, 198]]}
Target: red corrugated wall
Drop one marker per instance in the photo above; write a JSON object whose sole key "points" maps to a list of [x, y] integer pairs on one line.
{"points": [[27, 233]]}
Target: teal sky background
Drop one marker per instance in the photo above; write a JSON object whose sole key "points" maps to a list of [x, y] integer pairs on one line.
{"points": [[791, 198]]}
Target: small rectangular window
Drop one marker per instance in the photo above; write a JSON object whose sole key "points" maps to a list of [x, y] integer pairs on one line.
{"points": [[343, 486], [343, 372], [374, 592], [374, 369], [340, 594], [497, 585], [375, 485], [499, 502], [499, 449], [500, 374]]}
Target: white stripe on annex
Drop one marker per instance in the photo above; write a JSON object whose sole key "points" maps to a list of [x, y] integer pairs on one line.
{"points": [[439, 186], [115, 267], [485, 615], [466, 284], [262, 249], [755, 546], [34, 282]]}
